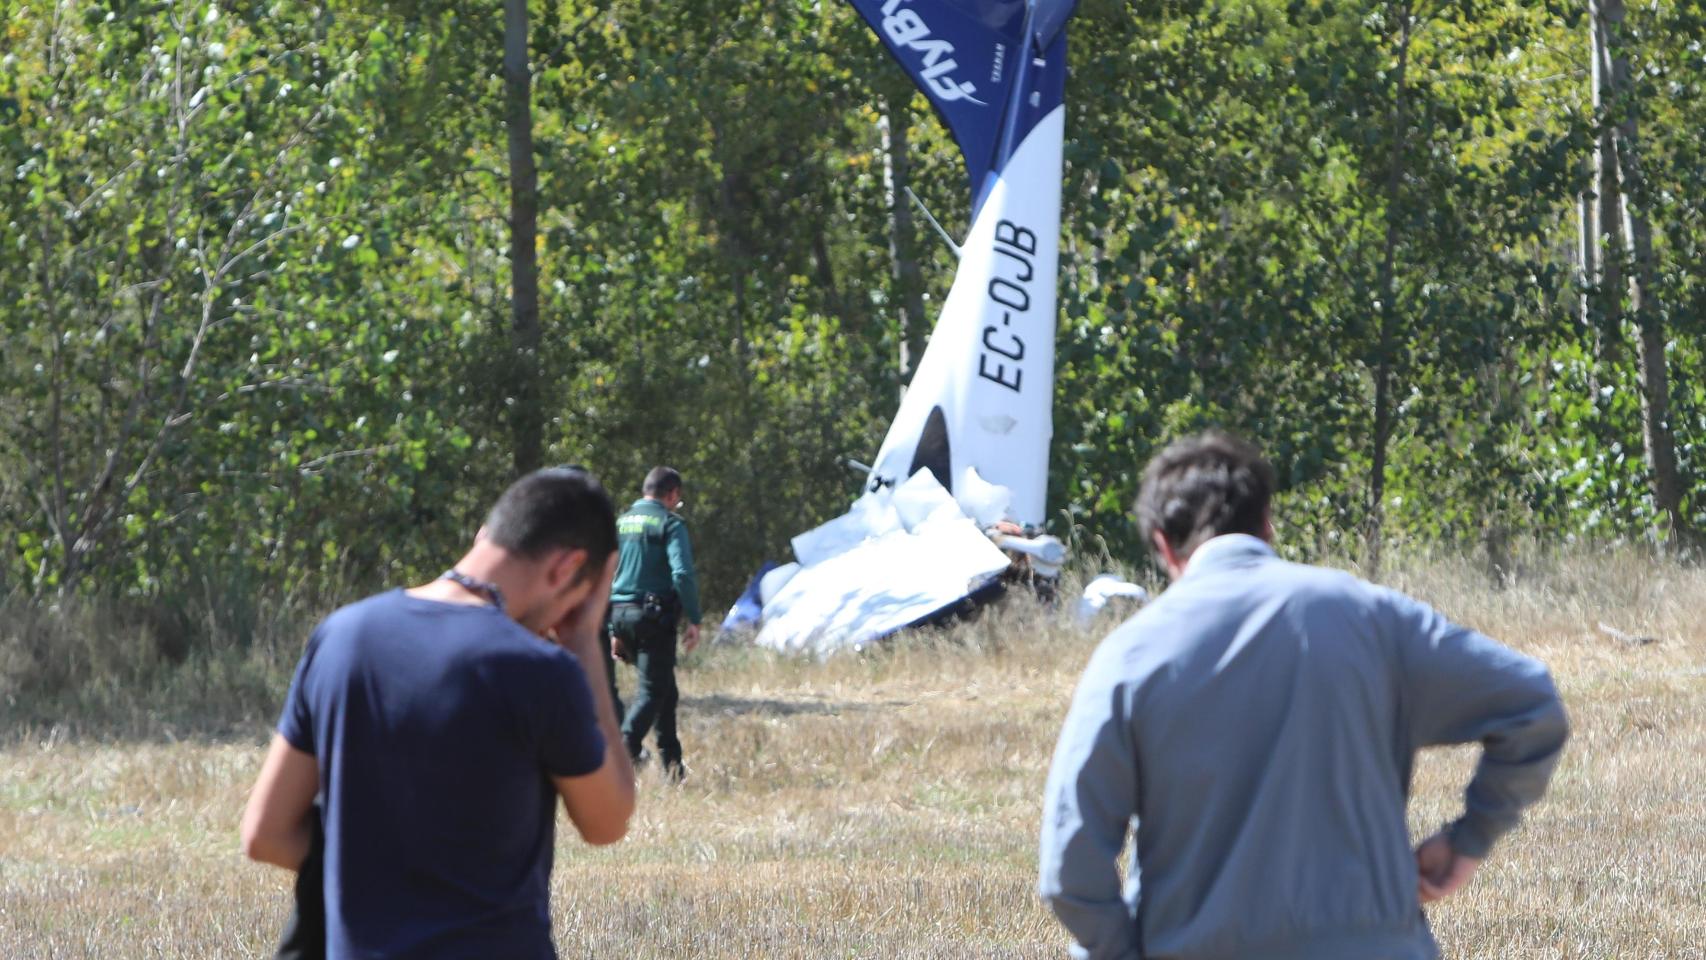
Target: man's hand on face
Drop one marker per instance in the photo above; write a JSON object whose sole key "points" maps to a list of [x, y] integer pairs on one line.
{"points": [[1440, 870], [579, 629], [690, 639]]}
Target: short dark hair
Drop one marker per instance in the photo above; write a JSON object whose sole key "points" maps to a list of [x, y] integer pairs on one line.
{"points": [[661, 482], [558, 508], [1202, 487]]}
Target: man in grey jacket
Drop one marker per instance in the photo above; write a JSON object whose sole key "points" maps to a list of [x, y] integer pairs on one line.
{"points": [[1256, 726]]}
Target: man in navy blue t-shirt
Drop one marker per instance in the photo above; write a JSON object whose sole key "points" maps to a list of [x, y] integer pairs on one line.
{"points": [[439, 725]]}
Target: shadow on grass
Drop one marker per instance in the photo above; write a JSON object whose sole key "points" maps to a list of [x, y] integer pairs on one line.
{"points": [[772, 707]]}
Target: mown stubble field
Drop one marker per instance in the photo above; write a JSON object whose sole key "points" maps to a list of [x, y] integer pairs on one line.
{"points": [[886, 805]]}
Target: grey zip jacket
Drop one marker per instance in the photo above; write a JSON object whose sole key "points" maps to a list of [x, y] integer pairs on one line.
{"points": [[1256, 726]]}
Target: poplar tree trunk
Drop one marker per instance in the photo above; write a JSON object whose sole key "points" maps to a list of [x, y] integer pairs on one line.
{"points": [[903, 238], [1655, 380], [1630, 233], [527, 418], [737, 247], [1587, 263], [1607, 264], [1388, 286]]}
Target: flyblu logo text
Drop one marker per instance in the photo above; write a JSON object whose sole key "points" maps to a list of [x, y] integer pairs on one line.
{"points": [[1009, 293], [909, 32]]}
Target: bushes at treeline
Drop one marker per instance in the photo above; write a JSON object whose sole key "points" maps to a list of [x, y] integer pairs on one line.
{"points": [[256, 279]]}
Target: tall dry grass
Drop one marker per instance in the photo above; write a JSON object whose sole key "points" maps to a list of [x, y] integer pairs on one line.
{"points": [[198, 665], [886, 805]]}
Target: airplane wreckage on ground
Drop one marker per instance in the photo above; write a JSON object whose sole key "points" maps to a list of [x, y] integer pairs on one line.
{"points": [[955, 500]]}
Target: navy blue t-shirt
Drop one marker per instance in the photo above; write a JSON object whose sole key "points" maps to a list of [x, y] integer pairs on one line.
{"points": [[436, 728]]}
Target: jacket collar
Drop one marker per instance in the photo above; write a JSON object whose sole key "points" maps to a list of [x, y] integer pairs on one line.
{"points": [[1227, 550]]}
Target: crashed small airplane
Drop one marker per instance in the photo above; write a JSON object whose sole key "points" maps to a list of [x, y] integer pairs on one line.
{"points": [[957, 495]]}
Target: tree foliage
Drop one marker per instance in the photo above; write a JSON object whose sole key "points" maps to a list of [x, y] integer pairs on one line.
{"points": [[257, 270]]}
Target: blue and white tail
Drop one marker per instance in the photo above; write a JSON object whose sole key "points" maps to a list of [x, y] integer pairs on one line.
{"points": [[970, 443]]}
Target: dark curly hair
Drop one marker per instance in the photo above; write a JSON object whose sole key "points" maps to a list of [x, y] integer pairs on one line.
{"points": [[1202, 487]]}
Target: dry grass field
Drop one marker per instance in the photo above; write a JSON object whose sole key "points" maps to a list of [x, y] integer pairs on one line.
{"points": [[886, 805]]}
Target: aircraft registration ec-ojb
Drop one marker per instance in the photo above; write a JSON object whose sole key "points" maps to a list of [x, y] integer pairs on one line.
{"points": [[968, 450]]}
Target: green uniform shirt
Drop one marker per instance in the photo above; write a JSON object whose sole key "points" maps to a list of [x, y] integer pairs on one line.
{"points": [[656, 557]]}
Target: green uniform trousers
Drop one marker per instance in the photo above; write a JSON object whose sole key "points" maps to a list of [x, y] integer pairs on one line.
{"points": [[610, 667], [651, 642]]}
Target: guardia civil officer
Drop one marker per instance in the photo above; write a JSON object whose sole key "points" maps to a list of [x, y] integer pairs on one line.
{"points": [[655, 589]]}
